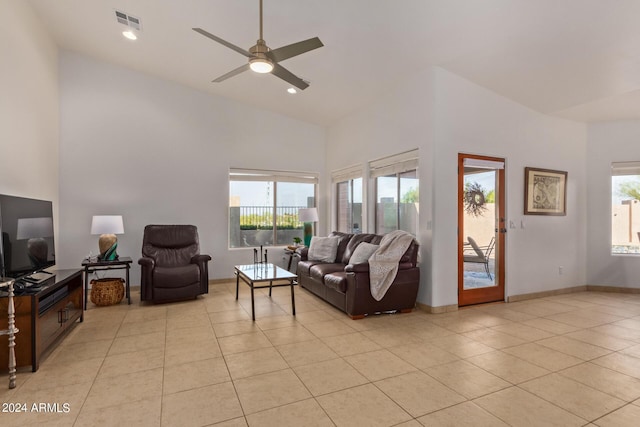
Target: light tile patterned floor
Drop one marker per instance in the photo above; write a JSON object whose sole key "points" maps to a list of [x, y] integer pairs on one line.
{"points": [[568, 360]]}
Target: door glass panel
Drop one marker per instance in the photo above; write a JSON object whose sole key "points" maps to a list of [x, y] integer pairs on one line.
{"points": [[479, 228]]}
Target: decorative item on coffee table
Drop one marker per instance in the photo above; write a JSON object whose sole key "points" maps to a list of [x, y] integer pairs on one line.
{"points": [[107, 291], [263, 256]]}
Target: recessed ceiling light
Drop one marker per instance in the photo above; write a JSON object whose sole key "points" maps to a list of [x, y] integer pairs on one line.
{"points": [[130, 35], [292, 90]]}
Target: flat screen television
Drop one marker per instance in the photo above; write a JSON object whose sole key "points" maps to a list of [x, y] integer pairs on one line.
{"points": [[26, 228]]}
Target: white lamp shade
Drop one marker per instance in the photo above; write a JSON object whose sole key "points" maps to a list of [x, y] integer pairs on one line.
{"points": [[30, 228], [308, 215], [107, 224]]}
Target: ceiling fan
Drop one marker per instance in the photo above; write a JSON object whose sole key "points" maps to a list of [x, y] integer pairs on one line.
{"points": [[264, 60]]}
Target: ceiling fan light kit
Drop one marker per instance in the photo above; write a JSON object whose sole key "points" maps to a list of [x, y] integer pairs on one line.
{"points": [[264, 60], [260, 65]]}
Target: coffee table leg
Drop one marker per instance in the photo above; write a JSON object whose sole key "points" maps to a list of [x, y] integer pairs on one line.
{"points": [[128, 287], [253, 309], [270, 285], [293, 300], [86, 286], [237, 285]]}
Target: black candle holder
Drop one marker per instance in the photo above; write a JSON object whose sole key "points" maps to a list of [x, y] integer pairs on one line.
{"points": [[263, 256]]}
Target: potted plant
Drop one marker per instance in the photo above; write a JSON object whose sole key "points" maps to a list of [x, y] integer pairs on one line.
{"points": [[297, 241]]}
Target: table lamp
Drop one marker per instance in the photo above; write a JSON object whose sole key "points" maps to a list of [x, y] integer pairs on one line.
{"points": [[308, 216], [107, 226]]}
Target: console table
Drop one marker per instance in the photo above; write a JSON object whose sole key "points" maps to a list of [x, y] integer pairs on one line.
{"points": [[43, 313], [91, 265]]}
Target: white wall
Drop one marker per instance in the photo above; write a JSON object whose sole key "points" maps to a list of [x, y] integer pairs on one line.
{"points": [[471, 119], [159, 152], [443, 115], [28, 105], [608, 142], [398, 121]]}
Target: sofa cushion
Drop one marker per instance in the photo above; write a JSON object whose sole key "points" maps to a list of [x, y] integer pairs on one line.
{"points": [[304, 267], [353, 244], [323, 248], [176, 277], [345, 238], [362, 253], [337, 281], [318, 271]]}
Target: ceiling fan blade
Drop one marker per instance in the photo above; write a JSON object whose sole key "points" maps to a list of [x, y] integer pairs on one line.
{"points": [[288, 76], [289, 51], [232, 73], [223, 42]]}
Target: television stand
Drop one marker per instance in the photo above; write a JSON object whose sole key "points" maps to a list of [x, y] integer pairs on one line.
{"points": [[38, 277], [44, 315]]}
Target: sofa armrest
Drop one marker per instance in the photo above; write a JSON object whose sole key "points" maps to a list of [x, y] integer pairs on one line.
{"points": [[405, 266], [304, 253], [200, 259], [146, 262], [357, 268], [146, 278]]}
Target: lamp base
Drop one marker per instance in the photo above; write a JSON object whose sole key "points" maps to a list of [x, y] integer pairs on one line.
{"points": [[108, 243], [308, 233]]}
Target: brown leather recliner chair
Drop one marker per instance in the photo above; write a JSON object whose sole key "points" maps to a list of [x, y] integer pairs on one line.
{"points": [[172, 266]]}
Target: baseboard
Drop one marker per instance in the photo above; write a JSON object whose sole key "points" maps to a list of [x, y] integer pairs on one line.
{"points": [[437, 310], [618, 289], [219, 281], [543, 294]]}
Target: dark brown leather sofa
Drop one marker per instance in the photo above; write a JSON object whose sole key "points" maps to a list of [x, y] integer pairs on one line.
{"points": [[346, 286], [172, 266]]}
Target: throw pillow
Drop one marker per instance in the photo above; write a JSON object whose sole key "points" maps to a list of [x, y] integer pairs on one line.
{"points": [[323, 249], [362, 253]]}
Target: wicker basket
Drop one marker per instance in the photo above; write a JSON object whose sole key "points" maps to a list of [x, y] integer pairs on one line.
{"points": [[107, 291]]}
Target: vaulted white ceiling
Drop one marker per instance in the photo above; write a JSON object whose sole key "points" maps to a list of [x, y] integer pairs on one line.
{"points": [[578, 59]]}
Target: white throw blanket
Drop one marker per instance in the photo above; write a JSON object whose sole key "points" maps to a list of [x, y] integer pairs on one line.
{"points": [[383, 264]]}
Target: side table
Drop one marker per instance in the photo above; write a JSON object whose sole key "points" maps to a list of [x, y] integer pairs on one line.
{"points": [[292, 254], [122, 263]]}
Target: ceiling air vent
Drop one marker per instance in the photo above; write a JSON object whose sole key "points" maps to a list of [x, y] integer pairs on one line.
{"points": [[128, 20]]}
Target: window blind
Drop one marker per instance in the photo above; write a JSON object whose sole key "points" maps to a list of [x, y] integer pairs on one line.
{"points": [[483, 164], [236, 174], [346, 174], [398, 163], [625, 168]]}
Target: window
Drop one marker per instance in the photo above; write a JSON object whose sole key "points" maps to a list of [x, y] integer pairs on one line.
{"points": [[625, 208], [263, 206], [348, 199], [396, 186]]}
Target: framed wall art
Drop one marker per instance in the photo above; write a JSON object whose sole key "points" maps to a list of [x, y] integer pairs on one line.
{"points": [[545, 192]]}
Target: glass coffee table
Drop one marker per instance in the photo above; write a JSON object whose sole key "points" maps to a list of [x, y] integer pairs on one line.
{"points": [[262, 273]]}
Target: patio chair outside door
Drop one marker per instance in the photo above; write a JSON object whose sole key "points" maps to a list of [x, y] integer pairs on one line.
{"points": [[481, 229]]}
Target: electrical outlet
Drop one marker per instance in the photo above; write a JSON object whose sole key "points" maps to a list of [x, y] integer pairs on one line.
{"points": [[512, 224], [560, 270]]}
